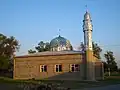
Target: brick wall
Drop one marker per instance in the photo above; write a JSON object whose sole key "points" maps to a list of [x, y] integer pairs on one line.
{"points": [[29, 67]]}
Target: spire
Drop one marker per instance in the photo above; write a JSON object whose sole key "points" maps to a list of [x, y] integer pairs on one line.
{"points": [[86, 8], [87, 22], [59, 32], [87, 14]]}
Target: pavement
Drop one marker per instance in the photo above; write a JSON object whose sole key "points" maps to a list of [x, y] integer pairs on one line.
{"points": [[111, 87]]}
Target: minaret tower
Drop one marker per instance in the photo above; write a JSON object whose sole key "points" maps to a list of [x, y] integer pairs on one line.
{"points": [[87, 29], [89, 69]]}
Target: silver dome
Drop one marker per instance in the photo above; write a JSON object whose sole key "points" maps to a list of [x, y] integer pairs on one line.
{"points": [[60, 41]]}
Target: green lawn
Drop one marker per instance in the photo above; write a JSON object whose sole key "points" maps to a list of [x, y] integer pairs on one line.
{"points": [[10, 84], [112, 74]]}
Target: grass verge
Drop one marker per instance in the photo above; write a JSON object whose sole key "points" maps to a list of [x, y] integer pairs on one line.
{"points": [[68, 84]]}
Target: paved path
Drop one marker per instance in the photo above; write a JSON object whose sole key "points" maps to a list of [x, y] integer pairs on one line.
{"points": [[111, 87]]}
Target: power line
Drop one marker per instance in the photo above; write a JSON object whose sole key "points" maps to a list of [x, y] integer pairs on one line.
{"points": [[109, 45]]}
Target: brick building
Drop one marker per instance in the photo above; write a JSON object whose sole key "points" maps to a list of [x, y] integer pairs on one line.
{"points": [[62, 65]]}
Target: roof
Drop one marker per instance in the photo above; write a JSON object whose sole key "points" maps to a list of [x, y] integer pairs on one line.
{"points": [[51, 53]]}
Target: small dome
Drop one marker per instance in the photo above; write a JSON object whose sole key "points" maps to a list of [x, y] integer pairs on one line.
{"points": [[60, 42]]}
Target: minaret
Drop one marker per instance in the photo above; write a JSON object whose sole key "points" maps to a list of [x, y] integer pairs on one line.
{"points": [[89, 70], [87, 29]]}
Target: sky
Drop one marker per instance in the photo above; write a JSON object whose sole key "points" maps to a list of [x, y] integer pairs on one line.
{"points": [[31, 21]]}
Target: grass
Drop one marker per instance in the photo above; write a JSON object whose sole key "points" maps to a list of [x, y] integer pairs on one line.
{"points": [[13, 84], [112, 74], [10, 80], [89, 84]]}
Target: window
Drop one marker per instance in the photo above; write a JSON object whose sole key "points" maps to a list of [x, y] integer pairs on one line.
{"points": [[58, 68], [59, 49], [74, 67], [43, 68], [63, 48]]}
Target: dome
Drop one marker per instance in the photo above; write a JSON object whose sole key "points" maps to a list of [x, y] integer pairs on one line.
{"points": [[60, 43]]}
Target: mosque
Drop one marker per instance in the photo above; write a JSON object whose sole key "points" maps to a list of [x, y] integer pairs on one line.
{"points": [[62, 63]]}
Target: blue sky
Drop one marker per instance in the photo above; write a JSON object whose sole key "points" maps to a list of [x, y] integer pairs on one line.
{"points": [[31, 21]]}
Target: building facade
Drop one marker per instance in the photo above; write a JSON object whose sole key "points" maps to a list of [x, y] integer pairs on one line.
{"points": [[61, 63]]}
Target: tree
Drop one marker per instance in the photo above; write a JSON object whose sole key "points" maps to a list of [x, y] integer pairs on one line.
{"points": [[111, 64], [4, 63], [31, 51], [96, 49], [8, 46], [47, 46], [105, 66], [42, 46], [82, 46]]}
